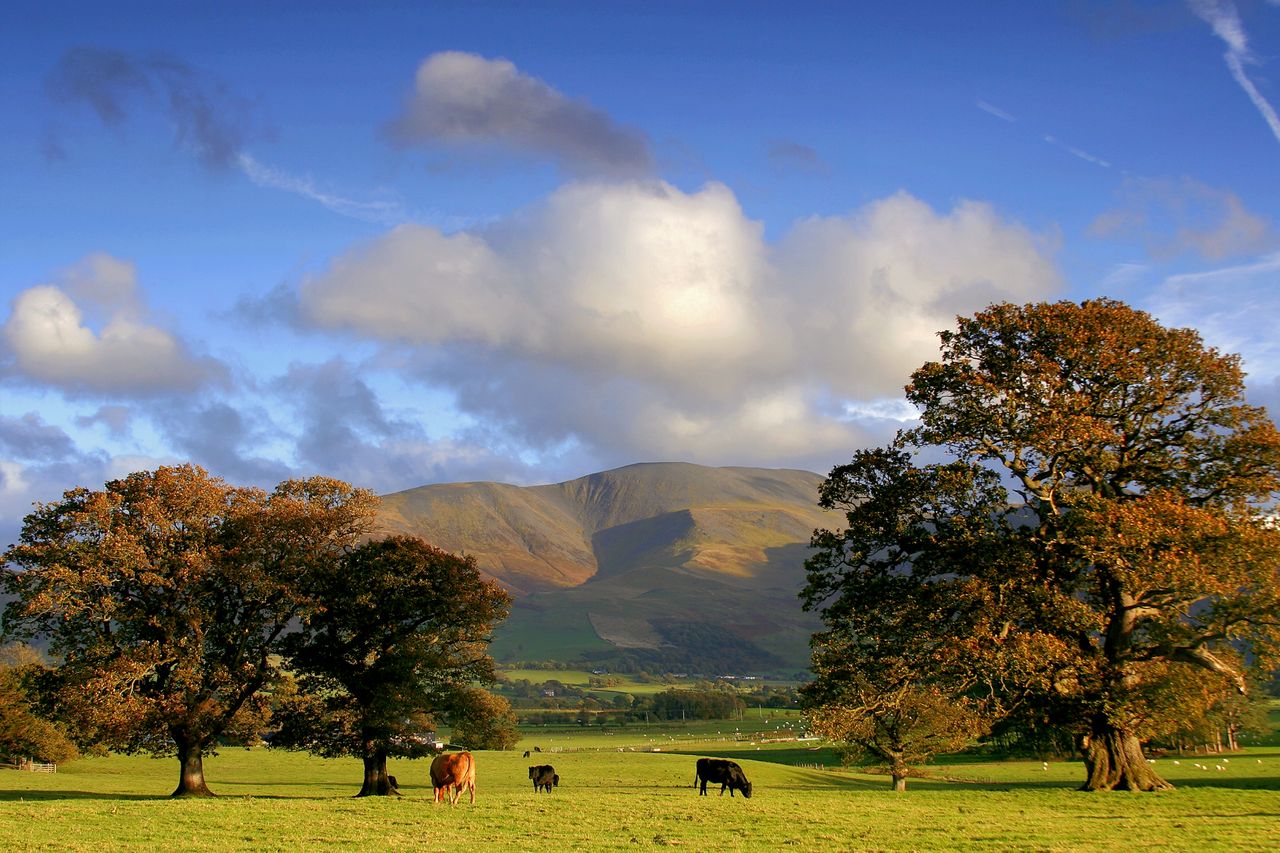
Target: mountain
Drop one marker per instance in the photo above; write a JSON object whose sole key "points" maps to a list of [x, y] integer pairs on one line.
{"points": [[660, 565]]}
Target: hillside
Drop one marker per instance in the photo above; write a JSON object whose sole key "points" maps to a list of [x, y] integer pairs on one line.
{"points": [[669, 565]]}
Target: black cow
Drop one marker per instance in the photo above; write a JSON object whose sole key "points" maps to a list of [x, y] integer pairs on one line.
{"points": [[544, 777], [727, 773]]}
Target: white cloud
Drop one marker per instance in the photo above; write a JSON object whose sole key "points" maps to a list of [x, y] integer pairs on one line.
{"points": [[49, 340], [1225, 20], [468, 100], [262, 175], [995, 111], [651, 323], [1174, 216], [1234, 309]]}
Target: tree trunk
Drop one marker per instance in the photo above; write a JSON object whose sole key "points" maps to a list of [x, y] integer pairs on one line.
{"points": [[191, 778], [1114, 761], [898, 772], [376, 781]]}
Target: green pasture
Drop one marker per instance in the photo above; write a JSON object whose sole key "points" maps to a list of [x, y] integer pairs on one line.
{"points": [[623, 796], [581, 679]]}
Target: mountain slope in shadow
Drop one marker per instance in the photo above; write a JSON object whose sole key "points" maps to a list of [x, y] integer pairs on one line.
{"points": [[667, 565]]}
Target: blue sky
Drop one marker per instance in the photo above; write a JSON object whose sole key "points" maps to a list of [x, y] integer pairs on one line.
{"points": [[403, 243]]}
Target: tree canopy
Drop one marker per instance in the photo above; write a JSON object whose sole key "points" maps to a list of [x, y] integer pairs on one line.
{"points": [[399, 635], [1101, 523], [26, 732], [165, 595]]}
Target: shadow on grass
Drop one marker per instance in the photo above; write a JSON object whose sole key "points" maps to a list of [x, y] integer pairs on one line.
{"points": [[46, 796]]}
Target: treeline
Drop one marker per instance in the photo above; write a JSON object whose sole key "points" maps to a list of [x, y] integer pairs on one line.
{"points": [[703, 701], [689, 647], [181, 613]]}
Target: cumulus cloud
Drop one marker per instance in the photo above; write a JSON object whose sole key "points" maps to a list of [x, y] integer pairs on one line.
{"points": [[345, 431], [660, 324], [224, 438], [1175, 216], [462, 99], [47, 338], [29, 437], [207, 118]]}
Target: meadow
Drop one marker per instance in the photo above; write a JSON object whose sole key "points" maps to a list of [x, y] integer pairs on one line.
{"points": [[618, 793]]}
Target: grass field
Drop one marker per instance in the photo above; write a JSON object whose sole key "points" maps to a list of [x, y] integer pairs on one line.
{"points": [[613, 798]]}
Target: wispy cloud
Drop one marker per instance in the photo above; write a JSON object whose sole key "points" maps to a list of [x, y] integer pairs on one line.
{"points": [[1225, 20], [208, 119], [994, 110], [1079, 153], [1233, 308], [789, 155], [384, 212], [1176, 216]]}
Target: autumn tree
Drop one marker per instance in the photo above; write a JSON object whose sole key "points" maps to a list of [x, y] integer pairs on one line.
{"points": [[164, 596], [1127, 536], [895, 727], [893, 683], [483, 720], [26, 728], [402, 631]]}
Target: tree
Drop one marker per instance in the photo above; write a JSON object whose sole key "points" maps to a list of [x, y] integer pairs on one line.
{"points": [[1115, 528], [401, 631], [892, 681], [482, 720], [896, 723], [25, 732], [165, 596]]}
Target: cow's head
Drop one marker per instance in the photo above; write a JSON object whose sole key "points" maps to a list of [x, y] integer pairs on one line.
{"points": [[746, 789]]}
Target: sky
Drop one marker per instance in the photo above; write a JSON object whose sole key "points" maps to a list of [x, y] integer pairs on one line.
{"points": [[401, 243]]}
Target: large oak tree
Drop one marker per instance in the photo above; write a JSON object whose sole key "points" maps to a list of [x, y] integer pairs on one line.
{"points": [[400, 634], [165, 595], [1128, 540]]}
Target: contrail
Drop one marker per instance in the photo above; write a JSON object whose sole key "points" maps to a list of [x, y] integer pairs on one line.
{"points": [[1225, 20]]}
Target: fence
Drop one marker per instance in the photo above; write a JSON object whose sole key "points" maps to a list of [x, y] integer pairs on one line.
{"points": [[33, 766]]}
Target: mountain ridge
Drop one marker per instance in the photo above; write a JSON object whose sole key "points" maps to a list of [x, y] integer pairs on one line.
{"points": [[639, 560]]}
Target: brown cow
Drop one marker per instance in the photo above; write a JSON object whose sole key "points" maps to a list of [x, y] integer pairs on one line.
{"points": [[450, 773]]}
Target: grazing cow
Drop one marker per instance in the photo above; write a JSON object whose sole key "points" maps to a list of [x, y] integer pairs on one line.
{"points": [[544, 776], [727, 773], [526, 753], [451, 773]]}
